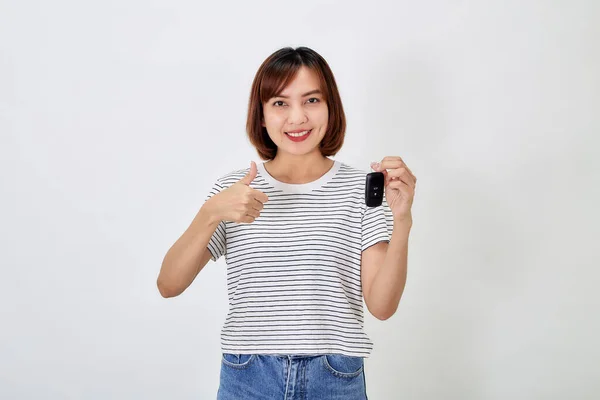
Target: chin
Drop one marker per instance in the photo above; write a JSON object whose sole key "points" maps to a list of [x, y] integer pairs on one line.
{"points": [[296, 152]]}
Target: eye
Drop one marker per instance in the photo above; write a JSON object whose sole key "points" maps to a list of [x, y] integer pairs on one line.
{"points": [[276, 103], [314, 98]]}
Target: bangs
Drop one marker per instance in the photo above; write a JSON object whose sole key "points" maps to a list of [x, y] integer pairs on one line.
{"points": [[279, 75]]}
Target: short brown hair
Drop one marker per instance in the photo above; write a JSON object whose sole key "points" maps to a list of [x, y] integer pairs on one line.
{"points": [[275, 73]]}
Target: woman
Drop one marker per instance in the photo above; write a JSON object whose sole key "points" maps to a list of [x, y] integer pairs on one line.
{"points": [[302, 248]]}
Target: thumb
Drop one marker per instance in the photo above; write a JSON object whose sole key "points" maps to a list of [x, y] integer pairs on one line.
{"points": [[246, 180]]}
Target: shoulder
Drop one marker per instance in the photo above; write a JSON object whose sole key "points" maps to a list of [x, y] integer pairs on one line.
{"points": [[352, 170], [349, 181], [351, 174]]}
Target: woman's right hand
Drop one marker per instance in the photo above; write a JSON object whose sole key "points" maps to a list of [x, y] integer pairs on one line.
{"points": [[239, 202]]}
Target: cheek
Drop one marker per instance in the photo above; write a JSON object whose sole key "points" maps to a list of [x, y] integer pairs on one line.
{"points": [[322, 116], [273, 127], [274, 121], [323, 122]]}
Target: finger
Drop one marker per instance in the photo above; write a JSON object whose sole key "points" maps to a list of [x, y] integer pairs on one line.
{"points": [[392, 158], [247, 219], [401, 168], [404, 181], [256, 205], [253, 213], [394, 162], [407, 180], [399, 173], [260, 196], [391, 164], [247, 180], [400, 185]]}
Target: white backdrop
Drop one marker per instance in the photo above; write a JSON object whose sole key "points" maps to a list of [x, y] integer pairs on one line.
{"points": [[117, 116]]}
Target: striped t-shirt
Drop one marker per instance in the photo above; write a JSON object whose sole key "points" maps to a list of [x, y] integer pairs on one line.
{"points": [[293, 275]]}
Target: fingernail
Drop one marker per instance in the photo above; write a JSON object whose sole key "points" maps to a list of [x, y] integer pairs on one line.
{"points": [[375, 165]]}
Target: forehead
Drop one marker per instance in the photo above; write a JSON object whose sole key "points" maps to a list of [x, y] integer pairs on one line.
{"points": [[304, 81]]}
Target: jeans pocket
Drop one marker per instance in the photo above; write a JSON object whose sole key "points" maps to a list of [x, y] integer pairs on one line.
{"points": [[239, 361], [343, 366]]}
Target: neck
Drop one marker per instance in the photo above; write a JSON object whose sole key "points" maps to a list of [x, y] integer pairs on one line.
{"points": [[294, 169]]}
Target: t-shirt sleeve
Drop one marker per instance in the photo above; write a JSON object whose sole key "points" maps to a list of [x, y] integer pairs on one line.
{"points": [[377, 225], [217, 244]]}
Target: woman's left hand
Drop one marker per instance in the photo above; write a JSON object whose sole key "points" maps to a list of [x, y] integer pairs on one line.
{"points": [[399, 186]]}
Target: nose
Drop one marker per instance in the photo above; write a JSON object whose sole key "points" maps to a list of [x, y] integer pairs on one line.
{"points": [[296, 116]]}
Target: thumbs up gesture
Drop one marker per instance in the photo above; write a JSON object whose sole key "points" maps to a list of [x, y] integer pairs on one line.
{"points": [[239, 202]]}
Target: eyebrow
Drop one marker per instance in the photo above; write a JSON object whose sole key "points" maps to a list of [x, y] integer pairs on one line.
{"points": [[304, 95]]}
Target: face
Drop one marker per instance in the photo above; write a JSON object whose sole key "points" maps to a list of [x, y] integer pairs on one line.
{"points": [[300, 107]]}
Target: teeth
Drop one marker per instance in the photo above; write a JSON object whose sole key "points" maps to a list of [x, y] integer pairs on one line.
{"points": [[298, 134]]}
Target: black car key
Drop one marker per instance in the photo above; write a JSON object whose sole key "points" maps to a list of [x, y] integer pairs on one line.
{"points": [[374, 189]]}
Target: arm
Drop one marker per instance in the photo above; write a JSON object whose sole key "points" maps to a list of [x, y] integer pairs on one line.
{"points": [[383, 272], [188, 255], [186, 258]]}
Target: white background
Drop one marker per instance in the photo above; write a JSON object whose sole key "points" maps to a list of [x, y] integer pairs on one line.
{"points": [[117, 116]]}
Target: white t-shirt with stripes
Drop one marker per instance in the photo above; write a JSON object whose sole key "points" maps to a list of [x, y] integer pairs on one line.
{"points": [[293, 275]]}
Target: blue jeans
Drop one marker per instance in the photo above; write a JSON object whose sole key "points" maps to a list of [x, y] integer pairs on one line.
{"points": [[291, 377]]}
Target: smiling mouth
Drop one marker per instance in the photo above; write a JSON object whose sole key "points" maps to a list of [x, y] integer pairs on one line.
{"points": [[299, 134]]}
